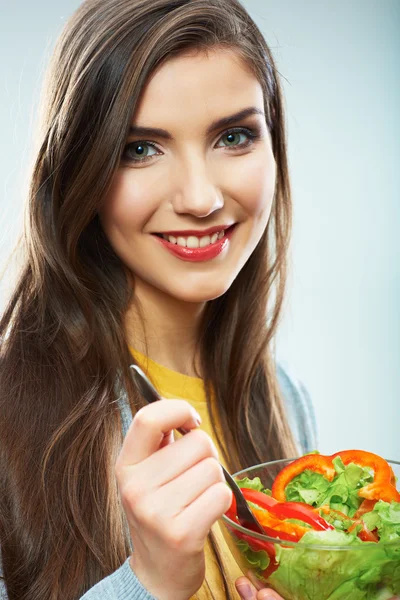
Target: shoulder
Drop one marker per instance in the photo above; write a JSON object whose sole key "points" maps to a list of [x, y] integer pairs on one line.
{"points": [[299, 407]]}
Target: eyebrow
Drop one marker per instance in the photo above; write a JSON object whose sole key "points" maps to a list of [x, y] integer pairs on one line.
{"points": [[138, 130]]}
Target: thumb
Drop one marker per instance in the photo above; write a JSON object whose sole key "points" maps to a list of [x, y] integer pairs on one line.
{"points": [[245, 589]]}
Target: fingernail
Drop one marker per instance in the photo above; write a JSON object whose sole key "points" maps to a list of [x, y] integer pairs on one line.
{"points": [[197, 417], [245, 592]]}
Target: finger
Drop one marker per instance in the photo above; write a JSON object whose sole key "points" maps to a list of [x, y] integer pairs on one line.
{"points": [[268, 594], [167, 439], [182, 491], [174, 459], [245, 589], [149, 426], [263, 593], [201, 514], [259, 585]]}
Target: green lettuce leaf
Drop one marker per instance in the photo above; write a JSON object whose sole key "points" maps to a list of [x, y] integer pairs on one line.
{"points": [[253, 484], [351, 574], [258, 560], [391, 575], [385, 516], [340, 494], [307, 487], [339, 522]]}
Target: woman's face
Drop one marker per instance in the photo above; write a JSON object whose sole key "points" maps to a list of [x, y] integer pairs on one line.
{"points": [[200, 172]]}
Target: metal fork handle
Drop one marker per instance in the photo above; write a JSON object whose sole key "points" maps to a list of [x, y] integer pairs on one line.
{"points": [[246, 518]]}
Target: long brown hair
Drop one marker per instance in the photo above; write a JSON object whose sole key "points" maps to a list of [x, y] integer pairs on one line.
{"points": [[63, 343]]}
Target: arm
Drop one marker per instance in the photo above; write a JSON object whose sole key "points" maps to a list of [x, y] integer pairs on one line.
{"points": [[120, 585]]}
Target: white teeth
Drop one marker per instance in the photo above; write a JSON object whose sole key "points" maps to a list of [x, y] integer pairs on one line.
{"points": [[193, 241], [205, 241]]}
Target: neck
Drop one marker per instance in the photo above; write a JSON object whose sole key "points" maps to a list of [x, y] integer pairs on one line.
{"points": [[164, 329]]}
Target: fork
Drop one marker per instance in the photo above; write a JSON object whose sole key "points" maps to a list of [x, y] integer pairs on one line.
{"points": [[245, 517]]}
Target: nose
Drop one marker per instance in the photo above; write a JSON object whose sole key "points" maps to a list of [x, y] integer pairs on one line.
{"points": [[195, 192]]}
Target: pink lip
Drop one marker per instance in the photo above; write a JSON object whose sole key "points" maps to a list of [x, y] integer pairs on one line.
{"points": [[197, 232], [198, 254]]}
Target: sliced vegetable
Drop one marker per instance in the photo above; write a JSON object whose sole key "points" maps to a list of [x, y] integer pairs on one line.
{"points": [[299, 510], [308, 487], [385, 517], [272, 518], [342, 493], [259, 545], [338, 519], [393, 478], [232, 510], [364, 533], [275, 527], [314, 462], [381, 488], [365, 506], [258, 498]]}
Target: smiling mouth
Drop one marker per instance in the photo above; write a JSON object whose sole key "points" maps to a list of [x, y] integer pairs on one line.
{"points": [[196, 241]]}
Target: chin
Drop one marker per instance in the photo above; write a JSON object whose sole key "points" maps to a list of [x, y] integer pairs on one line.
{"points": [[199, 293]]}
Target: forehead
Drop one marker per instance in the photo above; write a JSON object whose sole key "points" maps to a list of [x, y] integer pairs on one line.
{"points": [[189, 91]]}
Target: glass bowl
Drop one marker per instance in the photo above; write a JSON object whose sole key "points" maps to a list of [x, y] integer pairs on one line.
{"points": [[370, 571]]}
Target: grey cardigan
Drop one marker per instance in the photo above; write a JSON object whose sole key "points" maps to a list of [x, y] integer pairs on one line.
{"points": [[123, 583]]}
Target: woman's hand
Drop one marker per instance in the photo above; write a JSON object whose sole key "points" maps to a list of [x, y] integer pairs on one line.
{"points": [[172, 493], [247, 591]]}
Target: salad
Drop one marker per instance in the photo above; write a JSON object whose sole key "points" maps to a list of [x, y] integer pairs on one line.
{"points": [[336, 521]]}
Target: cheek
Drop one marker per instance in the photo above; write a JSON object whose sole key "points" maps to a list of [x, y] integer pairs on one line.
{"points": [[128, 204], [253, 185]]}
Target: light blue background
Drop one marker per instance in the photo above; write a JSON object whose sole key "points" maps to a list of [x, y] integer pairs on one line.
{"points": [[340, 65]]}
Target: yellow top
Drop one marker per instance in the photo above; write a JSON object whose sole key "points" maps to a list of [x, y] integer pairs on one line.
{"points": [[171, 384]]}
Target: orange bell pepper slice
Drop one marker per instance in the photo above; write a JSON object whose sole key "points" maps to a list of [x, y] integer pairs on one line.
{"points": [[365, 506], [381, 487], [314, 462], [268, 521]]}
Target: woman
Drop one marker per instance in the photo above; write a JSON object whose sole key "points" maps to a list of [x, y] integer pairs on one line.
{"points": [[157, 231]]}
